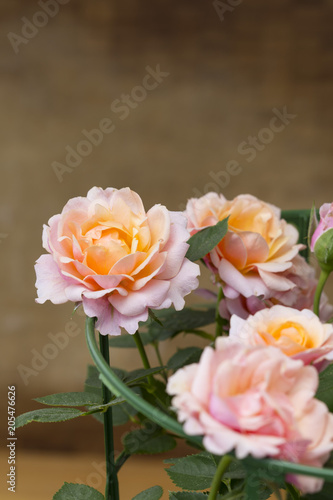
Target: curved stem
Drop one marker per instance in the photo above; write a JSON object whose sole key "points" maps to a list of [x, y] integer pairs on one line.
{"points": [[141, 350], [218, 319], [160, 360], [221, 468], [112, 487], [321, 283], [143, 355], [110, 379]]}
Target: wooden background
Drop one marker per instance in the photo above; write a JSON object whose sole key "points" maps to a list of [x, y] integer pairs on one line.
{"points": [[225, 78]]}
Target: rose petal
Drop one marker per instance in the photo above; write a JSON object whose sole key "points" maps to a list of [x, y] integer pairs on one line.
{"points": [[51, 285]]}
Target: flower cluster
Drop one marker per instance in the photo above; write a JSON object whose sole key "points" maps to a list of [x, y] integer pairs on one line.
{"points": [[254, 390]]}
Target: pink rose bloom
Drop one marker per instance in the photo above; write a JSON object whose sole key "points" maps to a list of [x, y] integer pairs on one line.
{"points": [[257, 250], [325, 223], [256, 401], [108, 253], [300, 297], [299, 334]]}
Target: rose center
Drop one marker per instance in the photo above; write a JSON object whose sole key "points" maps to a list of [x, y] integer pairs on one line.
{"points": [[292, 330]]}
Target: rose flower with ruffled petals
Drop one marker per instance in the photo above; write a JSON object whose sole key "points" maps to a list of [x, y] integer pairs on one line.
{"points": [[255, 401], [256, 251], [299, 334], [117, 260], [300, 297]]}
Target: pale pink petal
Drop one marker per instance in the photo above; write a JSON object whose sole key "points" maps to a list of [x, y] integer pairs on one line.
{"points": [[130, 323], [256, 246], [234, 250], [275, 282], [245, 285], [127, 264], [176, 246], [149, 272], [107, 322], [108, 281], [159, 224], [74, 292], [152, 295], [203, 377], [274, 267], [130, 198], [181, 285], [78, 205], [99, 194], [51, 285]]}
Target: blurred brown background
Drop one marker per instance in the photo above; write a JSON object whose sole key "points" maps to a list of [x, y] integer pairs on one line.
{"points": [[224, 77]]}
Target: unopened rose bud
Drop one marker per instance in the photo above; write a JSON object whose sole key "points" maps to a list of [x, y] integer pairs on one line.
{"points": [[322, 239]]}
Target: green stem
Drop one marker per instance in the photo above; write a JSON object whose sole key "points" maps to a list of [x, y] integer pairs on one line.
{"points": [[221, 468], [112, 487], [160, 360], [321, 283], [201, 333], [218, 319], [143, 355], [121, 459], [110, 379]]}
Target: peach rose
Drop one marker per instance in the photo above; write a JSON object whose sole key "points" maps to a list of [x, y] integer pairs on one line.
{"points": [[108, 253], [257, 250], [255, 400], [299, 334], [300, 297]]}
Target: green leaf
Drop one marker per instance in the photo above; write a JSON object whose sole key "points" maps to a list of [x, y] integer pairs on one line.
{"points": [[121, 413], [148, 441], [256, 488], [325, 389], [46, 415], [154, 493], [194, 472], [140, 374], [71, 399], [206, 240], [71, 491], [235, 470], [313, 223], [159, 394], [300, 219], [175, 322], [184, 357], [262, 479]]}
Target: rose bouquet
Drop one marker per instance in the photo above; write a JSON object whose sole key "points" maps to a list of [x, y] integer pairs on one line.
{"points": [[255, 402]]}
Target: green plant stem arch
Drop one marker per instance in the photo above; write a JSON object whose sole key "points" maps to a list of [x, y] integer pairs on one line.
{"points": [[110, 379]]}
